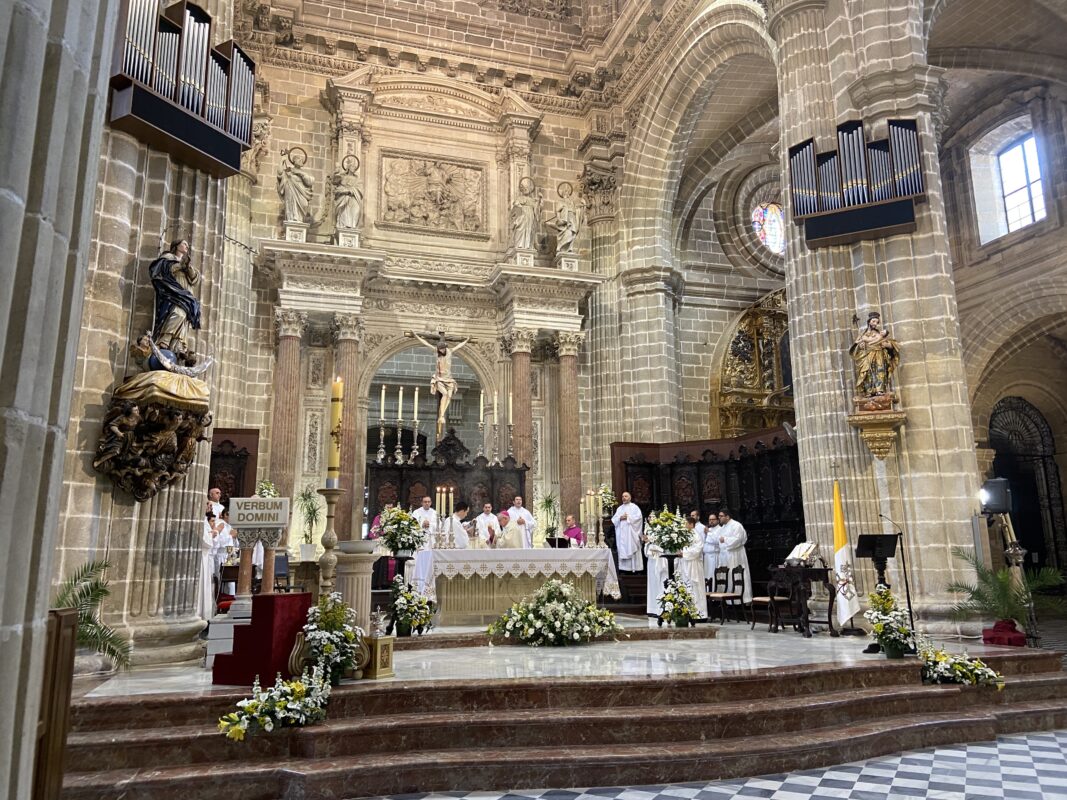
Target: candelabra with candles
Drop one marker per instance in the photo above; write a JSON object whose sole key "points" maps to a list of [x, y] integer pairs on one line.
{"points": [[496, 445], [511, 432]]}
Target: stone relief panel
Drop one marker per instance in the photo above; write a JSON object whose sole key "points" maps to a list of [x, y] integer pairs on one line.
{"points": [[316, 370], [537, 380], [313, 442], [446, 197]]}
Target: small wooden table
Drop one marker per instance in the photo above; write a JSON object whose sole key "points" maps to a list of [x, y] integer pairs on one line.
{"points": [[795, 582]]}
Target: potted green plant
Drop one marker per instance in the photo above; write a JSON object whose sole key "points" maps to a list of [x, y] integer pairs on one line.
{"points": [[1004, 597], [548, 508], [309, 503], [84, 591]]}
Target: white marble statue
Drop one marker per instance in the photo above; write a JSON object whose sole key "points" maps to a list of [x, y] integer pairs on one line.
{"points": [[347, 197]]}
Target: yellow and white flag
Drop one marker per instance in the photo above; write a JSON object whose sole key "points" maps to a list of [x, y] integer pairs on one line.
{"points": [[848, 601]]}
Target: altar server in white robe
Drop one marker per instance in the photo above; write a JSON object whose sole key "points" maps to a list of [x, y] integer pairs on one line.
{"points": [[224, 539], [205, 601], [711, 547], [524, 519], [487, 525], [628, 524], [697, 524], [691, 568], [459, 534], [510, 537], [657, 574], [426, 516], [732, 539]]}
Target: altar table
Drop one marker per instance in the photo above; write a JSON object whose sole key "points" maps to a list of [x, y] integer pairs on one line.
{"points": [[474, 587]]}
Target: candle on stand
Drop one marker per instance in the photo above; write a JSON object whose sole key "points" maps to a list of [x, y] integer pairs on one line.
{"points": [[381, 404], [481, 406], [415, 413], [437, 500], [451, 501], [496, 408], [333, 470], [511, 410], [400, 404]]}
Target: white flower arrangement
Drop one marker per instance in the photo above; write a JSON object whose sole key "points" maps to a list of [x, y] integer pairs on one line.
{"points": [[608, 501], [668, 531], [556, 615], [940, 666], [401, 531], [332, 635], [287, 704], [889, 622], [676, 604], [411, 608], [266, 489]]}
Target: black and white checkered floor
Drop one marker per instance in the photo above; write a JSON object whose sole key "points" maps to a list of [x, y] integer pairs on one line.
{"points": [[1025, 767]]}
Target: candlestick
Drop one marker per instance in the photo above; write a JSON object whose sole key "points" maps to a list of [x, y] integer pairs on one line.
{"points": [[414, 435], [400, 403], [511, 410], [381, 440], [481, 439], [437, 500], [496, 445], [415, 411], [511, 430], [398, 453], [451, 501], [333, 469], [381, 404], [496, 409]]}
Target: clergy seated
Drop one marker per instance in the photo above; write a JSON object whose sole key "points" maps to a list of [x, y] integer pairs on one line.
{"points": [[727, 588]]}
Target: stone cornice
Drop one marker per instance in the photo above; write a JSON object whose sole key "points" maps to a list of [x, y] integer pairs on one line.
{"points": [[527, 283], [646, 280], [319, 279], [880, 95]]}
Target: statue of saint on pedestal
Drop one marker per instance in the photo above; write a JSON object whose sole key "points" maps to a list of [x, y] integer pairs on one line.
{"points": [[347, 197], [295, 186], [526, 217], [442, 383], [568, 220], [876, 356], [176, 309]]}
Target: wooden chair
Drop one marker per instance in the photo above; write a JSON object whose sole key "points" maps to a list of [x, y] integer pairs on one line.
{"points": [[774, 616], [282, 576], [721, 593]]}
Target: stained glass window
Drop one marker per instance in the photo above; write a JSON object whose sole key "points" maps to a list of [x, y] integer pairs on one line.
{"points": [[768, 222]]}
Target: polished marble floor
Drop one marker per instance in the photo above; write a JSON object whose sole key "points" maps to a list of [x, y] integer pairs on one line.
{"points": [[735, 649], [1026, 767]]}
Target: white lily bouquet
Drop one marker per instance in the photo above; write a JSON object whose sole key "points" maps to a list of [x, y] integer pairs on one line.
{"points": [[287, 704], [401, 531], [668, 531], [940, 666], [333, 635], [556, 615], [676, 604]]}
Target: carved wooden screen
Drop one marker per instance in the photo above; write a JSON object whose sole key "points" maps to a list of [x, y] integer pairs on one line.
{"points": [[233, 462]]}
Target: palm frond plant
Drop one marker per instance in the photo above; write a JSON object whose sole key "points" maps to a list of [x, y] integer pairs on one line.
{"points": [[548, 506], [310, 503], [83, 591], [998, 594]]}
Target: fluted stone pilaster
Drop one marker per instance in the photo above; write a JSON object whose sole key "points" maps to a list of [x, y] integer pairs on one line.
{"points": [[285, 430], [348, 332], [570, 446]]}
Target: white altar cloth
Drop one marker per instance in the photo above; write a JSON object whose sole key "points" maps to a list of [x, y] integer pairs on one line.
{"points": [[423, 570]]}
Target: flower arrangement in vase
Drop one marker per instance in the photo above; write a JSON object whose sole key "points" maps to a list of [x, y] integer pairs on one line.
{"points": [[889, 622], [608, 501], [401, 532], [266, 489], [412, 610], [676, 605], [332, 636], [667, 530], [287, 704], [556, 615]]}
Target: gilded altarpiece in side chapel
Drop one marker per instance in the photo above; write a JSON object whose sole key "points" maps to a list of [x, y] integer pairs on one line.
{"points": [[756, 391]]}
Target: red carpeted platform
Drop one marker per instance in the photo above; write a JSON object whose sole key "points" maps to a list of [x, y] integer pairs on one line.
{"points": [[263, 648]]}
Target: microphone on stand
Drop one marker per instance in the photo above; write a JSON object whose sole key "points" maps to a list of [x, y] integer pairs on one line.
{"points": [[904, 565]]}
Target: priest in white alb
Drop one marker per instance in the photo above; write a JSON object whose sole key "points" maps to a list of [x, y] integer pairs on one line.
{"points": [[657, 574], [426, 516], [691, 568], [732, 539], [458, 533], [711, 547], [629, 524], [487, 525], [524, 519]]}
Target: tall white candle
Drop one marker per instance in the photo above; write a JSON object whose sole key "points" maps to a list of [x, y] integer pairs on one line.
{"points": [[496, 408], [381, 404], [511, 410], [481, 406], [400, 403], [415, 414]]}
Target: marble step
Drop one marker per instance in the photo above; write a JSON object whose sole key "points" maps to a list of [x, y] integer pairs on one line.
{"points": [[505, 767], [201, 744], [387, 698]]}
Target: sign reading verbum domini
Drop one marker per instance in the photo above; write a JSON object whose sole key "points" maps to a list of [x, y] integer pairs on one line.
{"points": [[259, 512]]}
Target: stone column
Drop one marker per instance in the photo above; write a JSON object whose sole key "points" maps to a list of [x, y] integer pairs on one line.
{"points": [[347, 332], [519, 343], [52, 102], [285, 419], [570, 445], [928, 482]]}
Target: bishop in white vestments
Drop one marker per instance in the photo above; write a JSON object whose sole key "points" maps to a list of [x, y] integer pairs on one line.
{"points": [[510, 537], [628, 524], [524, 519], [691, 568], [732, 539], [426, 516]]}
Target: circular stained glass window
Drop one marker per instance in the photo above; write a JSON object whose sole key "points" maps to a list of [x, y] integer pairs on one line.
{"points": [[768, 222]]}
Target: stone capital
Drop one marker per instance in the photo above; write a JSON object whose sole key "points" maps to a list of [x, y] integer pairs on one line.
{"points": [[568, 343], [347, 327], [290, 322], [520, 340], [778, 11]]}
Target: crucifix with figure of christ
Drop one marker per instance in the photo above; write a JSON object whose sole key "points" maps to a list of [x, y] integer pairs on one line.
{"points": [[442, 383]]}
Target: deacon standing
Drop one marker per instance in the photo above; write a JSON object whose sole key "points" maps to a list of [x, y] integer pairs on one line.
{"points": [[732, 539], [487, 525], [426, 516], [460, 539], [711, 547], [691, 567], [657, 575], [524, 519], [628, 524], [214, 502]]}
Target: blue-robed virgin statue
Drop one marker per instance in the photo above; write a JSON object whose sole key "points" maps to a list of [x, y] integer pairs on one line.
{"points": [[176, 308]]}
